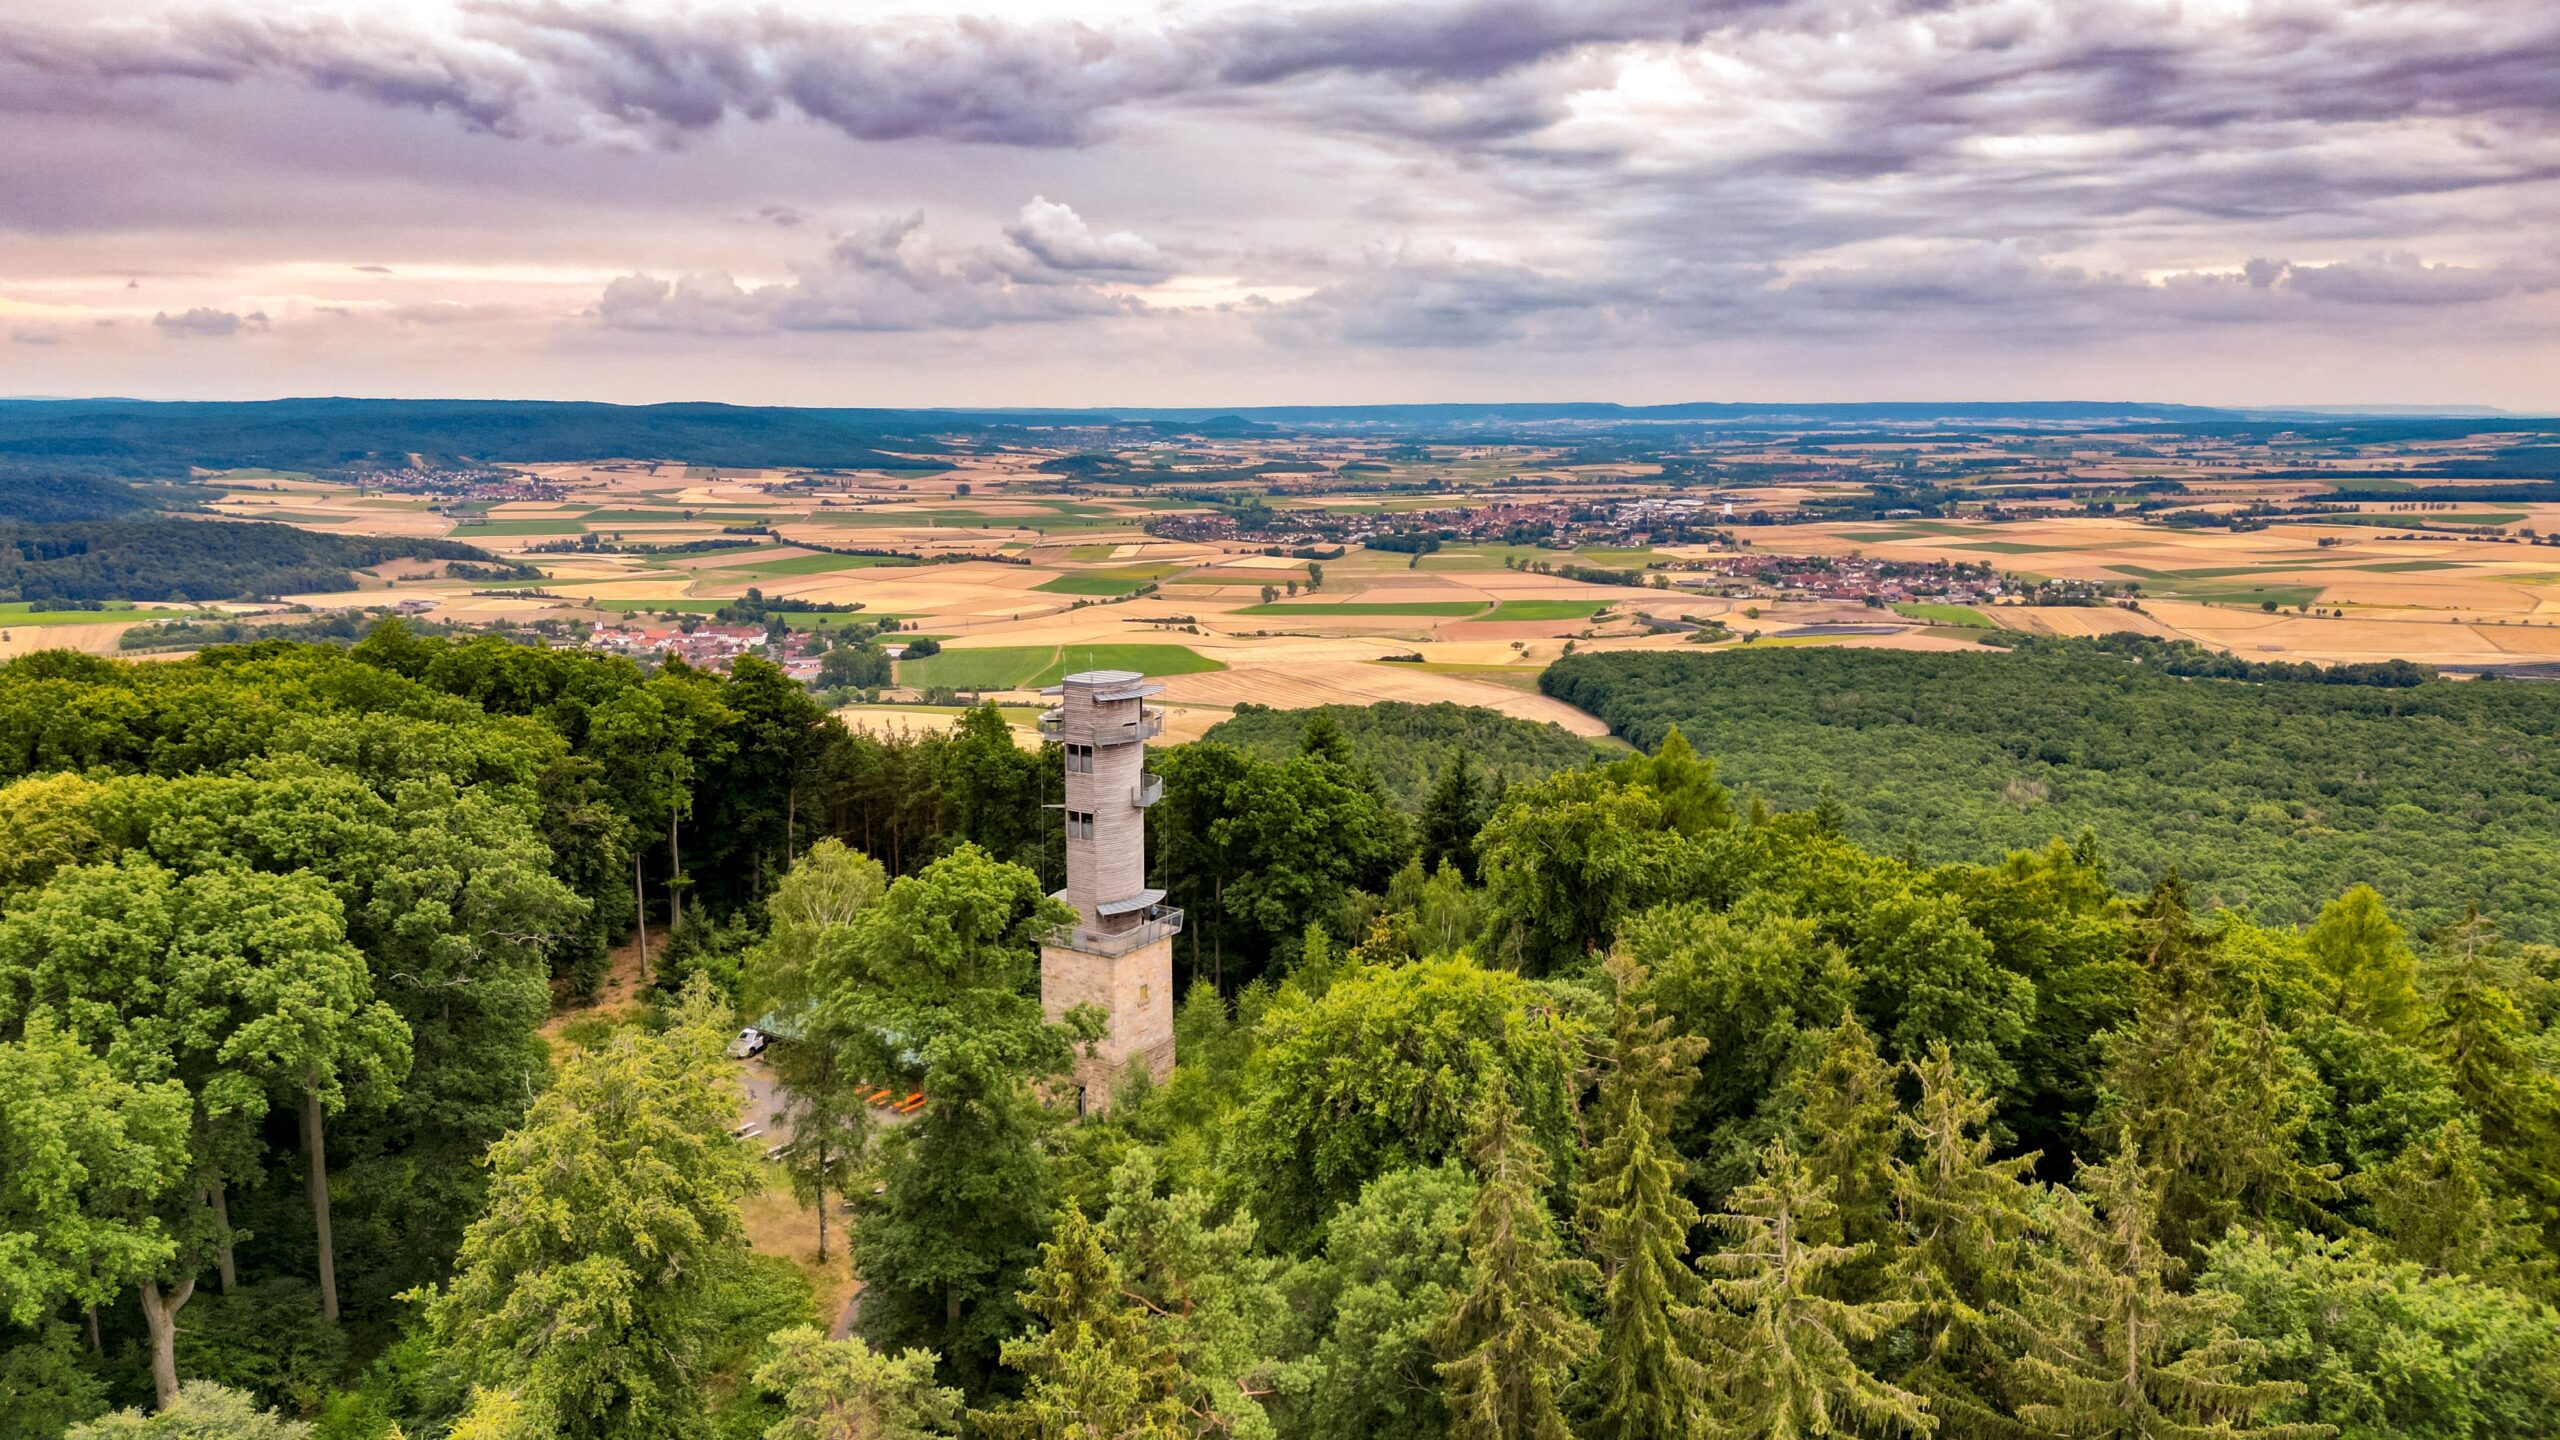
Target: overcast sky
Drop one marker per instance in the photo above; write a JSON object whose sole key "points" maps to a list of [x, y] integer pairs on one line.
{"points": [[989, 203]]}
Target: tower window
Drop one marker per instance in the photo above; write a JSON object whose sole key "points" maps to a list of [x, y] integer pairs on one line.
{"points": [[1080, 759], [1079, 824]]}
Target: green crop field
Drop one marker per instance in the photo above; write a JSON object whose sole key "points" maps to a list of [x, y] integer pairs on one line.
{"points": [[1120, 581], [2417, 520], [1937, 614], [498, 528], [1365, 607], [1513, 610], [2009, 547], [21, 612], [1025, 667], [819, 564]]}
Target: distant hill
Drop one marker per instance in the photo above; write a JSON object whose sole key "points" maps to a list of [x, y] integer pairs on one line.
{"points": [[1406, 745], [168, 559], [140, 438], [49, 441], [50, 499]]}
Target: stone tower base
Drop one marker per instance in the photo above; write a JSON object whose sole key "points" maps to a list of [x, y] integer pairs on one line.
{"points": [[1136, 990]]}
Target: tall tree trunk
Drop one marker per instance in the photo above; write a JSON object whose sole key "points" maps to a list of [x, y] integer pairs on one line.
{"points": [[640, 910], [89, 1313], [822, 1202], [161, 1318], [222, 1223], [790, 825], [315, 1147], [675, 876]]}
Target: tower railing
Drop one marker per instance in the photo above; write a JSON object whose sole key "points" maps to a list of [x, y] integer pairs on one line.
{"points": [[1159, 922]]}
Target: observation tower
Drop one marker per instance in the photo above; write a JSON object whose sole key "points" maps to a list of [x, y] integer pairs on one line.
{"points": [[1118, 953]]}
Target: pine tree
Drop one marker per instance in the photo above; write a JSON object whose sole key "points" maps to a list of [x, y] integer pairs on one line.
{"points": [[1514, 1338], [1648, 1376], [1964, 1216], [2110, 1352], [1848, 1122], [1095, 1367], [1788, 1366]]}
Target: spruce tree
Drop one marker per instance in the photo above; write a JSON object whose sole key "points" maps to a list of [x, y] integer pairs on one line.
{"points": [[2480, 1034], [1451, 815], [1648, 1376], [1095, 1367], [1514, 1338], [1848, 1122], [1963, 1216], [1789, 1365], [2109, 1351], [2214, 1099]]}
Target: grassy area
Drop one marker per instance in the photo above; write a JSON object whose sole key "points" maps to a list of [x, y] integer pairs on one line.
{"points": [[1024, 667], [500, 528], [2283, 595], [1518, 610], [1621, 556], [1120, 581], [819, 564], [2010, 547], [1940, 614], [2418, 520], [21, 612], [1368, 607], [2400, 567]]}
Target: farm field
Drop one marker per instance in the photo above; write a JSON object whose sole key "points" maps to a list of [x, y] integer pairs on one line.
{"points": [[1021, 575]]}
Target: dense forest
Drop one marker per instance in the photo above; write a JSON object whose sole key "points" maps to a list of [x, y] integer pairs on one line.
{"points": [[1408, 747], [168, 559], [2270, 796], [1616, 1105], [136, 439]]}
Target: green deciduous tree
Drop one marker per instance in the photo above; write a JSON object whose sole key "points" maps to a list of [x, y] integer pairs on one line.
{"points": [[201, 1411], [1514, 1338], [2387, 1350], [1392, 1268], [2366, 965], [84, 1154], [1388, 1068], [310, 1025], [934, 987], [581, 1291], [811, 914]]}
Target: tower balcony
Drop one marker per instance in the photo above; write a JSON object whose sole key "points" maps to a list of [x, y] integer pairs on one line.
{"points": [[1148, 790], [1053, 725], [1156, 922]]}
